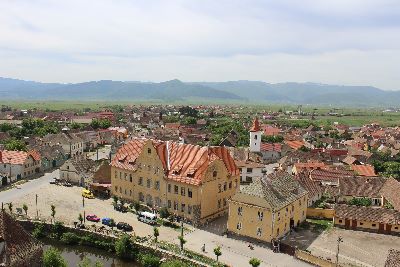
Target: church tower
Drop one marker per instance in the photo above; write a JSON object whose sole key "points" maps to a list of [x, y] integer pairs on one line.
{"points": [[255, 136]]}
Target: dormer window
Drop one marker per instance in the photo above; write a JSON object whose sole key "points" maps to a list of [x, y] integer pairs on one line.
{"points": [[149, 151], [215, 173]]}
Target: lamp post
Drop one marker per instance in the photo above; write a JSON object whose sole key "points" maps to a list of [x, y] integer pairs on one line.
{"points": [[339, 240]]}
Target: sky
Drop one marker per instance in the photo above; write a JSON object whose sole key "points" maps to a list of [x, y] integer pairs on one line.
{"points": [[348, 42]]}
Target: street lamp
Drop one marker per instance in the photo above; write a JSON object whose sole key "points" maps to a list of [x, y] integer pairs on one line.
{"points": [[339, 240]]}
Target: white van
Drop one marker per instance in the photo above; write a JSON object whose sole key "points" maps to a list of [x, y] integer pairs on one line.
{"points": [[147, 217]]}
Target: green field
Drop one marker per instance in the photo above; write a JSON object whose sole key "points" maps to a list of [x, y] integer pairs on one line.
{"points": [[349, 116]]}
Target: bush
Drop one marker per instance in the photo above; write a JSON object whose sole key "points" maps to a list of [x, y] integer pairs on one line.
{"points": [[70, 238], [366, 202], [124, 248], [149, 260], [58, 229], [39, 231], [52, 258], [174, 263], [164, 213]]}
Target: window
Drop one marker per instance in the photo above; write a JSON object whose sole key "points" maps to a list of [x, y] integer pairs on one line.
{"points": [[116, 188], [130, 178], [148, 183], [340, 221], [235, 183], [219, 188], [361, 223], [175, 205], [215, 173], [189, 209], [240, 211], [249, 170], [126, 176], [219, 203], [169, 204], [190, 194], [396, 227], [157, 186], [183, 207], [176, 189], [183, 191], [225, 186], [260, 215], [125, 192], [374, 224], [258, 231], [230, 185], [239, 226], [224, 202], [120, 190], [169, 188], [141, 197], [120, 175], [140, 181], [255, 137], [279, 216], [149, 151], [130, 192]]}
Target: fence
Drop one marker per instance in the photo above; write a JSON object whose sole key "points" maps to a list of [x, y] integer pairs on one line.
{"points": [[317, 261]]}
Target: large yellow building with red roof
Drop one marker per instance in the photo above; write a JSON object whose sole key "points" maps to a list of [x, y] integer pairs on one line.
{"points": [[193, 182]]}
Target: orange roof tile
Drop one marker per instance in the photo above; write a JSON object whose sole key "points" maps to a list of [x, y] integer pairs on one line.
{"points": [[364, 170], [295, 144], [182, 162], [18, 157]]}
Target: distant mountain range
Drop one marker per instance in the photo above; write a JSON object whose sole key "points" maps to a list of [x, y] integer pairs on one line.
{"points": [[177, 91]]}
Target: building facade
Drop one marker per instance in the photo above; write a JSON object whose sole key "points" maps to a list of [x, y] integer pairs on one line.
{"points": [[268, 208], [193, 182]]}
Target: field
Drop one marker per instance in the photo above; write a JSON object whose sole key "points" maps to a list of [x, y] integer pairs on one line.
{"points": [[348, 116]]}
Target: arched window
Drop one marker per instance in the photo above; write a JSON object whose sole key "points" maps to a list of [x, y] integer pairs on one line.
{"points": [[215, 173], [141, 197], [149, 150]]}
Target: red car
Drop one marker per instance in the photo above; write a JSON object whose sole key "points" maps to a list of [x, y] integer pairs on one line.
{"points": [[92, 218]]}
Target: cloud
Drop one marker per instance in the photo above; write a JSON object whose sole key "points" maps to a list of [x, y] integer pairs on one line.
{"points": [[202, 40]]}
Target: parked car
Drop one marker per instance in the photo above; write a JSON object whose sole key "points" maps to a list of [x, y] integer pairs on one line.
{"points": [[87, 194], [92, 218], [107, 221], [121, 208], [147, 217], [54, 181], [124, 226]]}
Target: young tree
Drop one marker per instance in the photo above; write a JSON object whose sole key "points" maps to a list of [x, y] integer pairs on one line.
{"points": [[53, 211], [25, 208], [182, 241], [112, 223], [10, 207], [217, 252], [156, 233], [115, 201], [80, 218], [254, 262], [52, 258]]}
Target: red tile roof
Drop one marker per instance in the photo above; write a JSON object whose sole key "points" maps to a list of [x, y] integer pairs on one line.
{"points": [[295, 144], [364, 170], [256, 126], [182, 162], [331, 175], [270, 130], [17, 157], [271, 147]]}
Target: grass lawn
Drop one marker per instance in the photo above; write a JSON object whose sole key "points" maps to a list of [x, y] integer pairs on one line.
{"points": [[320, 225]]}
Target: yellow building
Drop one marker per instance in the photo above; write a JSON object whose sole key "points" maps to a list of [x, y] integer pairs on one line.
{"points": [[268, 208], [374, 219], [191, 181]]}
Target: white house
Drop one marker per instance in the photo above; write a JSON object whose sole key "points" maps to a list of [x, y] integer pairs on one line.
{"points": [[19, 164], [249, 170]]}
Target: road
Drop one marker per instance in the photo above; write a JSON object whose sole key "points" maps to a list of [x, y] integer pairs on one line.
{"points": [[28, 187]]}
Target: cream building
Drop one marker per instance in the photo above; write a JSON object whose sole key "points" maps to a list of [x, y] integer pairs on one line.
{"points": [[268, 208], [193, 182]]}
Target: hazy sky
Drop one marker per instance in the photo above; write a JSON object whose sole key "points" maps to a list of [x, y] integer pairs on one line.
{"points": [[329, 41]]}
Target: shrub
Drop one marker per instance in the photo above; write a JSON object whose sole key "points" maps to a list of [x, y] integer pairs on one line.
{"points": [[39, 231], [124, 248], [58, 229], [70, 238], [52, 258], [149, 260], [164, 213], [174, 263]]}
